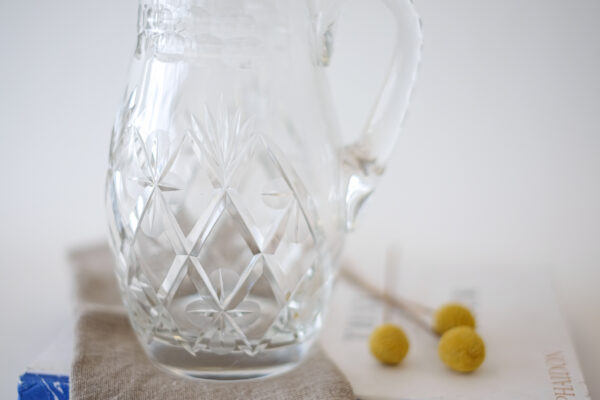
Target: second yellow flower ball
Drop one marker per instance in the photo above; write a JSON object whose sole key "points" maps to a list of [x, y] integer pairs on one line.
{"points": [[462, 349]]}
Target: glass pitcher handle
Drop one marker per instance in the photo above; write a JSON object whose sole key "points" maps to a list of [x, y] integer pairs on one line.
{"points": [[365, 160]]}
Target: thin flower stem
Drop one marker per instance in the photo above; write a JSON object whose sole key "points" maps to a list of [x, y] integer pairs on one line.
{"points": [[412, 309]]}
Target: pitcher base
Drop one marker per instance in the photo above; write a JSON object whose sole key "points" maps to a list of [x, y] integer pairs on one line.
{"points": [[236, 366]]}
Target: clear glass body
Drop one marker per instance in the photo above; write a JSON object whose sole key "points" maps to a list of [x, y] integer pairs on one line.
{"points": [[228, 185]]}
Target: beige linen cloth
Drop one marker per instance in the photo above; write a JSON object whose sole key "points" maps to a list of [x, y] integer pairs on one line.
{"points": [[110, 364]]}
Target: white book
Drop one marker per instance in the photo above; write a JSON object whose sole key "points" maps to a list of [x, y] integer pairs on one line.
{"points": [[529, 354]]}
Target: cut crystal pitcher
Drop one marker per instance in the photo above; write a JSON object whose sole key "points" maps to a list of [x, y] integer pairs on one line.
{"points": [[230, 189]]}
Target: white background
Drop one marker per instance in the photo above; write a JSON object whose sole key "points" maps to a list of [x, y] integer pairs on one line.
{"points": [[499, 163]]}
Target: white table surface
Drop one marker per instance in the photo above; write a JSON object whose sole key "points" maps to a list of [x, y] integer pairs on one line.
{"points": [[499, 163]]}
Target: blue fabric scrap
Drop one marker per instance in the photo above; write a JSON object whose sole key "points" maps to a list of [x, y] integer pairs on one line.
{"points": [[43, 387]]}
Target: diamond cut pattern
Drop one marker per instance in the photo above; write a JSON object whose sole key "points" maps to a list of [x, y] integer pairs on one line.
{"points": [[221, 233]]}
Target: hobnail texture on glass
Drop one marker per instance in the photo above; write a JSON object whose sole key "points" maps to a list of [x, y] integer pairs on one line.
{"points": [[229, 189]]}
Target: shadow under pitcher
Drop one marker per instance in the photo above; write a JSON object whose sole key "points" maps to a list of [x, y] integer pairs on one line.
{"points": [[230, 189]]}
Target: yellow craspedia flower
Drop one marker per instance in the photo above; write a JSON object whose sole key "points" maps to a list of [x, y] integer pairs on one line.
{"points": [[389, 344], [462, 349], [452, 315]]}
